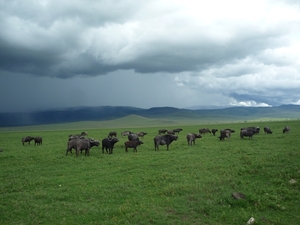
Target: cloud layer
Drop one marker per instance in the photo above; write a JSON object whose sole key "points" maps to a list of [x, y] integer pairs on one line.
{"points": [[232, 52]]}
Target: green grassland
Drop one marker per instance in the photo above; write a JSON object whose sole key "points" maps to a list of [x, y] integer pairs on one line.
{"points": [[184, 185]]}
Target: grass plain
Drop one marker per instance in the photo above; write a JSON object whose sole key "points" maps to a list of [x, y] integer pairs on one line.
{"points": [[184, 185]]}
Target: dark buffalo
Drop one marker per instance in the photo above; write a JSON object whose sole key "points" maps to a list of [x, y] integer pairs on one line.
{"points": [[204, 131], [254, 129], [141, 134], [71, 145], [108, 144], [112, 134], [85, 144], [38, 140], [232, 131], [171, 132], [247, 133], [162, 131], [27, 139], [125, 133], [214, 131], [191, 137], [132, 144], [133, 137], [267, 130], [286, 129], [177, 130], [226, 133], [166, 139]]}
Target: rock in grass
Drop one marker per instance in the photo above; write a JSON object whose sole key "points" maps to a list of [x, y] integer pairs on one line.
{"points": [[1, 150], [292, 181], [238, 195]]}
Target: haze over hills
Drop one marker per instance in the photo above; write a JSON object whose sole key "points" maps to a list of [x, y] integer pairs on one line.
{"points": [[104, 113]]}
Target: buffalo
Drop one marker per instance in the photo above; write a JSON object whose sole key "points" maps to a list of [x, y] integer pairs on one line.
{"points": [[214, 131], [108, 144], [162, 131], [247, 133], [38, 140], [71, 144], [85, 144], [225, 133], [141, 134], [27, 139], [132, 144], [177, 130], [204, 131], [191, 137], [267, 130], [171, 132], [112, 134], [125, 133], [133, 137], [286, 129], [166, 139]]}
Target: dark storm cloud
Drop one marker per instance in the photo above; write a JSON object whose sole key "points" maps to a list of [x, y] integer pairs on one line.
{"points": [[240, 51]]}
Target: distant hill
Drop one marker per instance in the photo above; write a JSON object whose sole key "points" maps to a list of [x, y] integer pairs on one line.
{"points": [[104, 113]]}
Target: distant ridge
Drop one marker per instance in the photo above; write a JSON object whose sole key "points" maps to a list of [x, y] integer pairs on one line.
{"points": [[103, 113]]}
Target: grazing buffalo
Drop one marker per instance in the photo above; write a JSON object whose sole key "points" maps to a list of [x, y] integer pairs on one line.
{"points": [[226, 133], [132, 144], [133, 137], [191, 137], [125, 133], [166, 139], [177, 130], [286, 129], [162, 131], [38, 140], [85, 144], [112, 134], [214, 131], [204, 131], [247, 133], [27, 139], [141, 134], [171, 132], [255, 129], [267, 130], [108, 144]]}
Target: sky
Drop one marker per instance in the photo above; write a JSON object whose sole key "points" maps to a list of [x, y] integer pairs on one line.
{"points": [[150, 53]]}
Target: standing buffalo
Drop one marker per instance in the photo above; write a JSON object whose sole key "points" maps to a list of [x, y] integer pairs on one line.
{"points": [[71, 145], [162, 131], [132, 144], [286, 129], [214, 131], [108, 144], [141, 134], [164, 140], [267, 130], [177, 130], [133, 137], [112, 134], [38, 141], [125, 133], [191, 137], [27, 139], [204, 131], [171, 132], [247, 133], [226, 133], [85, 144]]}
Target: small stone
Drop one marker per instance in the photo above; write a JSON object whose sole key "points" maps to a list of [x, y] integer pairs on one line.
{"points": [[292, 181], [238, 195], [251, 220]]}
